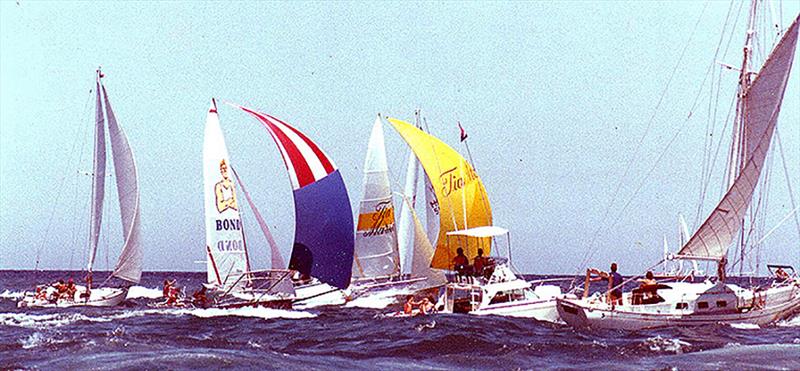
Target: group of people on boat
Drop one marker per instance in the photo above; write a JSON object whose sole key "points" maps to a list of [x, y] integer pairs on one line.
{"points": [[645, 294], [424, 307], [482, 266], [57, 291], [173, 296]]}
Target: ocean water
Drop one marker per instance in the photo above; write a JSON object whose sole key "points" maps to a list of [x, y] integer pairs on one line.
{"points": [[356, 336]]}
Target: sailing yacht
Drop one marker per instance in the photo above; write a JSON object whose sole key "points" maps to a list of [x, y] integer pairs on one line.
{"points": [[715, 301], [465, 223], [321, 260], [378, 264], [129, 264]]}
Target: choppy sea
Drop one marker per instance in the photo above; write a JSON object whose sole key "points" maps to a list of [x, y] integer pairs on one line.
{"points": [[355, 336]]}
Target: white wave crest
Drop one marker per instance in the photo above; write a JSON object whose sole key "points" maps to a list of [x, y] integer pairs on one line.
{"points": [[266, 313], [791, 322], [13, 295], [667, 345], [745, 326], [143, 292]]}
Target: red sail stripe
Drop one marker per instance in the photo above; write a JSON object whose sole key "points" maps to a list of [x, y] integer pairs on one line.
{"points": [[326, 163], [300, 166]]}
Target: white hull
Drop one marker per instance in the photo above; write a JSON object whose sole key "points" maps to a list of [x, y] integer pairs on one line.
{"points": [[317, 294], [100, 297], [766, 307]]}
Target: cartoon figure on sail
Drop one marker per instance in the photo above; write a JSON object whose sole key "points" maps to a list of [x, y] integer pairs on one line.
{"points": [[231, 282], [714, 301], [483, 284], [129, 265], [322, 255]]}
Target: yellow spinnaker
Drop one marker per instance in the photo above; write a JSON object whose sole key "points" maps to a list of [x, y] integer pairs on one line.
{"points": [[463, 202]]}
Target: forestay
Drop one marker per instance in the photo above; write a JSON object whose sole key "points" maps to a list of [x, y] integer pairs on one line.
{"points": [[463, 202], [762, 106], [226, 253], [376, 251]]}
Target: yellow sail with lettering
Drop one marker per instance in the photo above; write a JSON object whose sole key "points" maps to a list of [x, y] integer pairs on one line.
{"points": [[462, 198]]}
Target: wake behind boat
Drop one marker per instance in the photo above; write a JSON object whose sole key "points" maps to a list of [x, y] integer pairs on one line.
{"points": [[715, 301], [129, 263]]}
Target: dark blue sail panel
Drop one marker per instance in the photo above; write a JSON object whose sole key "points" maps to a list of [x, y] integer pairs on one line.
{"points": [[324, 237]]}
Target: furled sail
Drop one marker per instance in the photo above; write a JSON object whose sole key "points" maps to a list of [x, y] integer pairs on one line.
{"points": [[275, 255], [324, 232], [762, 103], [376, 252], [98, 177], [463, 202], [129, 264], [225, 247]]}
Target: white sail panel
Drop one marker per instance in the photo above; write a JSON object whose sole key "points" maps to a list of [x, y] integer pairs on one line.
{"points": [[376, 251], [129, 264], [405, 226], [762, 106], [275, 255], [423, 255], [226, 254], [431, 211], [98, 177]]}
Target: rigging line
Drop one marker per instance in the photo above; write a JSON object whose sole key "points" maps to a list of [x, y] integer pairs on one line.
{"points": [[650, 121], [788, 182], [713, 104], [714, 160], [60, 188]]}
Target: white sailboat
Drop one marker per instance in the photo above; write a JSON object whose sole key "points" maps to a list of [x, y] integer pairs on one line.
{"points": [[129, 263], [378, 263], [232, 281], [683, 303]]}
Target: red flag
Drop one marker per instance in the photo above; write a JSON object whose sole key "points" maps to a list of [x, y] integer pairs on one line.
{"points": [[463, 132]]}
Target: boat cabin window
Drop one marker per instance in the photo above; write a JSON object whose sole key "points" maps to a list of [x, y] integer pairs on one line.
{"points": [[681, 306], [722, 303], [506, 296], [702, 305]]}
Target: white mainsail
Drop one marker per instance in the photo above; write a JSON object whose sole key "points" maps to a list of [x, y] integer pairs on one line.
{"points": [[129, 264], [225, 248], [376, 248], [98, 177], [762, 103]]}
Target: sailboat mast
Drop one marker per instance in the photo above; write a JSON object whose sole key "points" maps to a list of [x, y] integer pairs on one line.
{"points": [[738, 146], [98, 176]]}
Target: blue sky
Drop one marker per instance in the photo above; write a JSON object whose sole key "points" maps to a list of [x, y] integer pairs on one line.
{"points": [[554, 96]]}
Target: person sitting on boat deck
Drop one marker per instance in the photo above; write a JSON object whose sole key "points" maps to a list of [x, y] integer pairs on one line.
{"points": [[408, 307], [646, 293], [199, 297], [40, 293], [461, 263], [479, 263], [614, 283], [781, 274], [71, 289], [167, 285], [172, 297], [61, 289], [426, 306]]}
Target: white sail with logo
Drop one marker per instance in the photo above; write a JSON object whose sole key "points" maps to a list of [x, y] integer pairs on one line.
{"points": [[762, 104], [226, 254], [376, 249]]}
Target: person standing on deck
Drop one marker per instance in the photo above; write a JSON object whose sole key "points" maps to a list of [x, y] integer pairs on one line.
{"points": [[614, 283]]}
